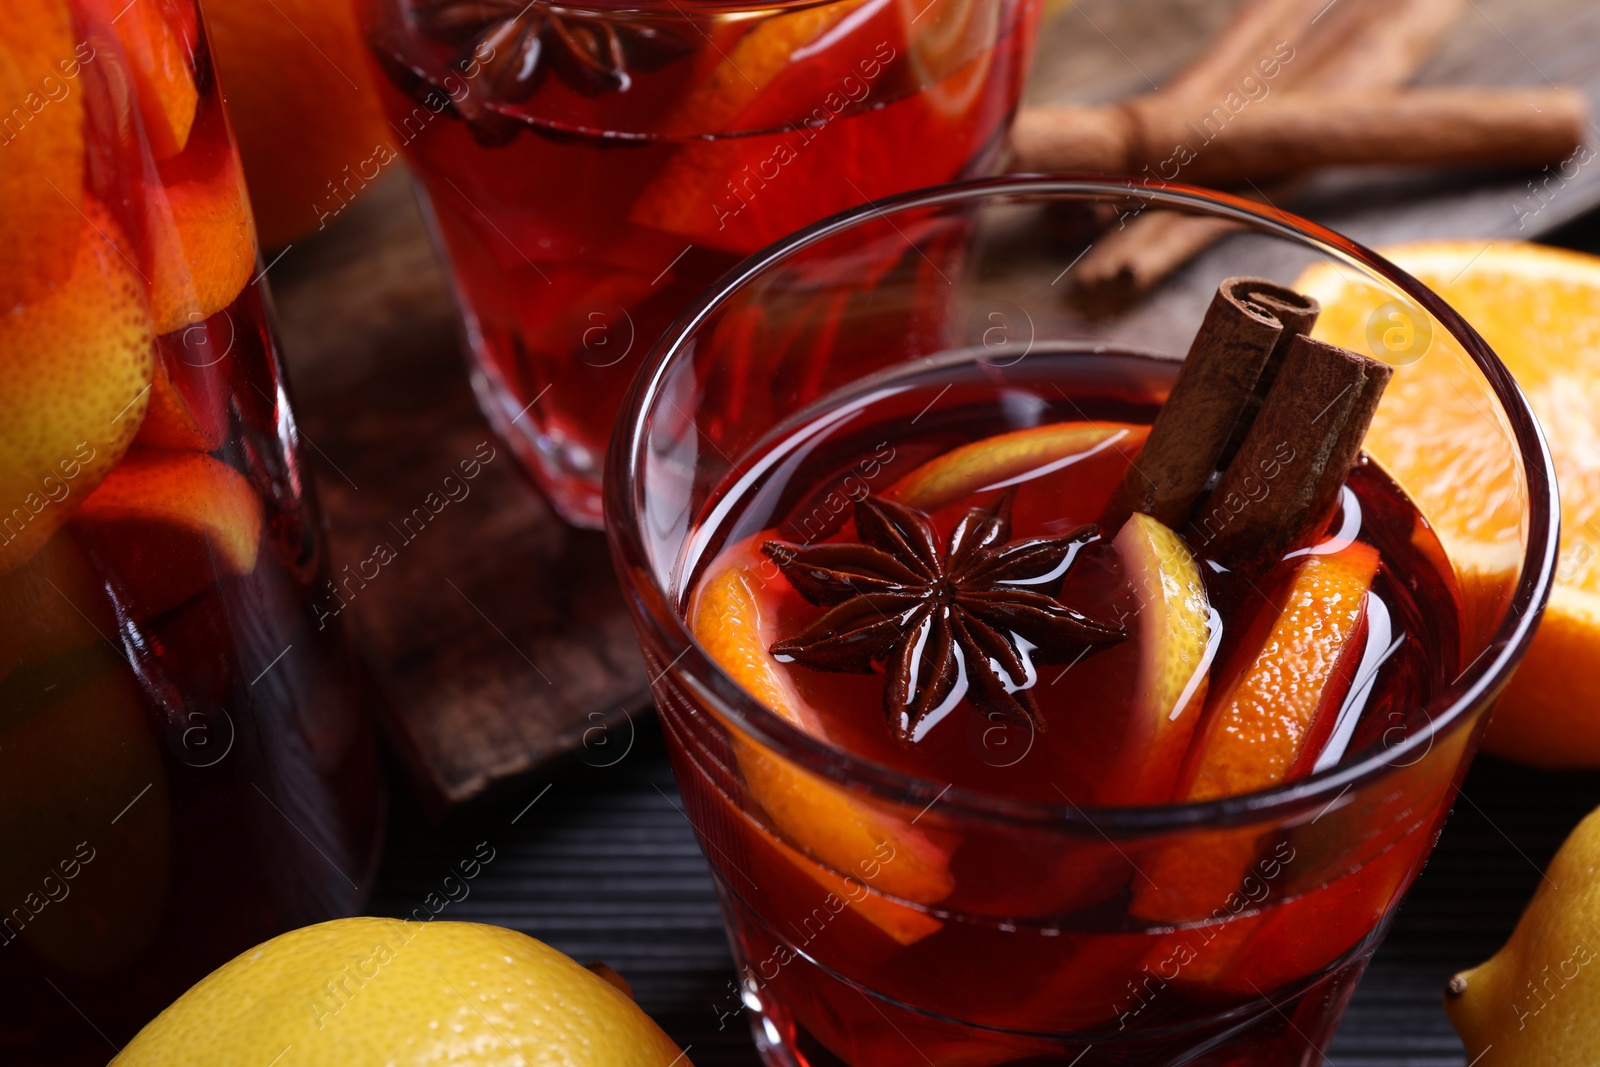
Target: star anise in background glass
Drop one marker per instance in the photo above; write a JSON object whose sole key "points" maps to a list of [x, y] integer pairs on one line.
{"points": [[968, 620], [507, 46]]}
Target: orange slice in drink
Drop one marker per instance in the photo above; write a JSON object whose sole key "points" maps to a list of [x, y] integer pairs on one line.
{"points": [[199, 242], [1276, 708], [164, 525], [156, 75], [75, 369], [1010, 458], [1177, 640], [820, 818], [682, 197], [1437, 434], [1265, 717], [42, 147]]}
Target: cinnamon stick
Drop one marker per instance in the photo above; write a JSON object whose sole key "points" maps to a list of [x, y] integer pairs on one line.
{"points": [[1286, 477], [1297, 132], [1351, 45], [1213, 390], [1298, 314]]}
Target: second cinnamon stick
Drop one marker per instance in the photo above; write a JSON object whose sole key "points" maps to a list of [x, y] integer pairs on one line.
{"points": [[1284, 482]]}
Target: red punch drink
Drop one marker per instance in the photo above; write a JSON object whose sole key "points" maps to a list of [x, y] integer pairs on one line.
{"points": [[186, 764], [1044, 704], [591, 172]]}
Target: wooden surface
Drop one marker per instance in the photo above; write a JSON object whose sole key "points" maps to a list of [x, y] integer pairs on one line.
{"points": [[497, 634]]}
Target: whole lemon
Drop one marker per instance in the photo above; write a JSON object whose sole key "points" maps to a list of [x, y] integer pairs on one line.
{"points": [[390, 992], [1536, 1002]]}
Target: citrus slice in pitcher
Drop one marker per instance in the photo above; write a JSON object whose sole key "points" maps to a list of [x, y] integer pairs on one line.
{"points": [[74, 383], [41, 181]]}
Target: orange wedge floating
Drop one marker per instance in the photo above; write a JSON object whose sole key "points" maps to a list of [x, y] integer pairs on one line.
{"points": [[200, 245], [75, 370], [1176, 642], [1262, 724], [41, 136], [818, 816], [165, 525], [1265, 720], [156, 63], [1004, 458]]}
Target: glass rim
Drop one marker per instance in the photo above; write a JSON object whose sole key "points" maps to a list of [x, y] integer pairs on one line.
{"points": [[1448, 710]]}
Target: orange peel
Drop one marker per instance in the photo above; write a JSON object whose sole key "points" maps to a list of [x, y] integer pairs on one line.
{"points": [[823, 821], [41, 183], [1000, 459], [200, 243], [74, 385], [1259, 725], [157, 62]]}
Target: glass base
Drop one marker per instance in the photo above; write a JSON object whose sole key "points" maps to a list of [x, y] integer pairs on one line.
{"points": [[567, 473], [802, 1014]]}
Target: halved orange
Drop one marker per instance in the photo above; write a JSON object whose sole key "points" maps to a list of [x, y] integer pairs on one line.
{"points": [[1437, 433], [41, 137], [164, 525], [75, 369], [822, 820]]}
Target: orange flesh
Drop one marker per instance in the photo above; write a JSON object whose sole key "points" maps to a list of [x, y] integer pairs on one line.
{"points": [[1261, 723], [159, 512]]}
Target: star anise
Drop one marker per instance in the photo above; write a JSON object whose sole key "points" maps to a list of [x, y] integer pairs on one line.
{"points": [[509, 45], [967, 621]]}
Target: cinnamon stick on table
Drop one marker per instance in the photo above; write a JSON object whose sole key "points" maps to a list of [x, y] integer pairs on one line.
{"points": [[1352, 45], [1301, 131]]}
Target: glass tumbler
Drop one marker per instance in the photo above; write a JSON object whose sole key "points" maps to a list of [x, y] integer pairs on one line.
{"points": [[590, 169], [187, 766], [1042, 948]]}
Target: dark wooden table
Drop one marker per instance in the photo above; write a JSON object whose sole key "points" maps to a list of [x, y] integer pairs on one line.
{"points": [[591, 851]]}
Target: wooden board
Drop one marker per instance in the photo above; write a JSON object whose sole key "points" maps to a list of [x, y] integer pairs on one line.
{"points": [[498, 635]]}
